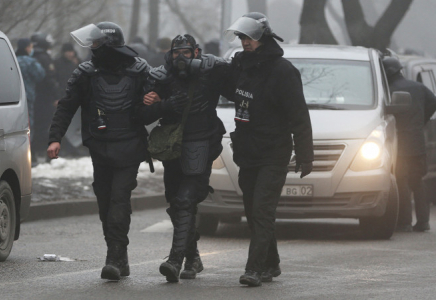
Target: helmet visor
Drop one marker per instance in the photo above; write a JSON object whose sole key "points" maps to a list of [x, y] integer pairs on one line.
{"points": [[89, 36], [246, 26]]}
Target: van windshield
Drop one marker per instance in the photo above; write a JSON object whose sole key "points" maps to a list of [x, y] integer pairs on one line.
{"points": [[336, 84], [333, 84]]}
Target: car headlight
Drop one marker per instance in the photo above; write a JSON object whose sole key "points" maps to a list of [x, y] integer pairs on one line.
{"points": [[370, 150], [370, 155], [218, 163]]}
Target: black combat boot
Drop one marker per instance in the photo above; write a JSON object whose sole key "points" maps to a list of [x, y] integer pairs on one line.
{"points": [[193, 265], [421, 227], [267, 276], [171, 268], [251, 278], [117, 263]]}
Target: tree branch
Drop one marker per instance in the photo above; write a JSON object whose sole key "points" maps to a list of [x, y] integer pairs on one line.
{"points": [[361, 34], [389, 21], [313, 24], [175, 8]]}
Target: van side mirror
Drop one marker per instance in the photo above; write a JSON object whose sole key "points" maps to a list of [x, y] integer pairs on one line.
{"points": [[401, 102]]}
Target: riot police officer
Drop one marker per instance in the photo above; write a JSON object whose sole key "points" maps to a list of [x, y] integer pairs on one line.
{"points": [[411, 160], [186, 179], [271, 114], [107, 88]]}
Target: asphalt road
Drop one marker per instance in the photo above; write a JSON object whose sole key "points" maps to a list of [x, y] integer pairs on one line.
{"points": [[323, 259]]}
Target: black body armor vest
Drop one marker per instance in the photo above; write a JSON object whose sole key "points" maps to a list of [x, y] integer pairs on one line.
{"points": [[112, 109]]}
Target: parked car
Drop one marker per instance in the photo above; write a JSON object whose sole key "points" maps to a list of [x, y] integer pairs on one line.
{"points": [[355, 145], [423, 69], [15, 159]]}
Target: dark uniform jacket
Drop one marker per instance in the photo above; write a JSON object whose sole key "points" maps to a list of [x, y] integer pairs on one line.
{"points": [[126, 146], [270, 109], [202, 124], [410, 124]]}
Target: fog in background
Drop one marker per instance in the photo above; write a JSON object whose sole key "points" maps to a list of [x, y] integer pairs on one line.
{"points": [[416, 31]]}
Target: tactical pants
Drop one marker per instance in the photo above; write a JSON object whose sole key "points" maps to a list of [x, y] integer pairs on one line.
{"points": [[183, 193], [409, 173], [113, 188], [261, 188]]}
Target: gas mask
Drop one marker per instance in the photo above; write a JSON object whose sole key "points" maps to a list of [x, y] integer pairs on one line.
{"points": [[185, 67]]}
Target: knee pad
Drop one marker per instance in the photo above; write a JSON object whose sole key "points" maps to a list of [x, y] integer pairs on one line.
{"points": [[186, 198], [183, 204]]}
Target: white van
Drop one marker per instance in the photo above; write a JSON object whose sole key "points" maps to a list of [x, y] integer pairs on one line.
{"points": [[15, 160], [355, 145]]}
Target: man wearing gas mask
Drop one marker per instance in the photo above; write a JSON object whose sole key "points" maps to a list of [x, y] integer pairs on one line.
{"points": [[270, 115], [186, 179], [107, 88]]}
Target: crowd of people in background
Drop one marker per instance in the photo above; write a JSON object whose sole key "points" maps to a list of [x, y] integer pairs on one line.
{"points": [[45, 78]]}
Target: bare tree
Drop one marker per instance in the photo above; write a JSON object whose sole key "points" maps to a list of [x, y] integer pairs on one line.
{"points": [[134, 20], [196, 17], [20, 18], [379, 36], [153, 27], [314, 27], [175, 8], [313, 24]]}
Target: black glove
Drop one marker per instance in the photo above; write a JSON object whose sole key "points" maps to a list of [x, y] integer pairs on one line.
{"points": [[306, 168], [175, 103]]}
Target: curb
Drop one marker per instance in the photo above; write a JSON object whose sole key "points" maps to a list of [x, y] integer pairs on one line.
{"points": [[82, 207]]}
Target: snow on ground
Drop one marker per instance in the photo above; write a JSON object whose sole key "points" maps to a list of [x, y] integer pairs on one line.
{"points": [[82, 167], [71, 179]]}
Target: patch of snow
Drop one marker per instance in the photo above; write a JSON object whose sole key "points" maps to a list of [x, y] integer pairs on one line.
{"points": [[82, 168]]}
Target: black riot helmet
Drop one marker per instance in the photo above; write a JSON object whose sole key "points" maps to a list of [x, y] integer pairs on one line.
{"points": [[392, 66], [184, 42], [181, 65], [104, 33], [42, 40], [255, 25]]}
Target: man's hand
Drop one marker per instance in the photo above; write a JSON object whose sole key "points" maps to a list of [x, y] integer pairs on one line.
{"points": [[306, 168], [151, 98], [53, 150]]}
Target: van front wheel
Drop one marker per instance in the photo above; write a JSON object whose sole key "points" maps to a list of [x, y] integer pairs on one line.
{"points": [[7, 220], [382, 228]]}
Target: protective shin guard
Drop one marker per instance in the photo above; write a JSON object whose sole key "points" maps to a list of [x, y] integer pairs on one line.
{"points": [[182, 226]]}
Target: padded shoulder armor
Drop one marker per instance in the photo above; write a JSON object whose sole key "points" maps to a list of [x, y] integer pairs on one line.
{"points": [[210, 61], [159, 73], [87, 67], [74, 78], [140, 65]]}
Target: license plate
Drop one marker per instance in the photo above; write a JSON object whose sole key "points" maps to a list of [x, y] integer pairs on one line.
{"points": [[297, 190]]}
